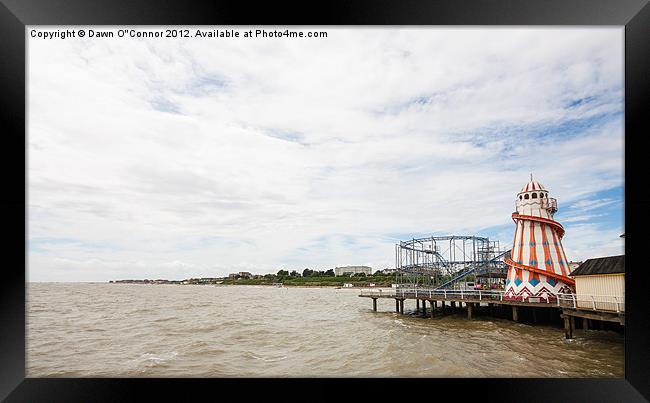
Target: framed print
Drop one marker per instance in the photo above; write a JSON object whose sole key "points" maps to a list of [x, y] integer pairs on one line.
{"points": [[359, 196]]}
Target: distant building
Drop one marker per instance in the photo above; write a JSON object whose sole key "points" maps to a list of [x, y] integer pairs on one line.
{"points": [[245, 274], [349, 270], [602, 279], [207, 280], [574, 265]]}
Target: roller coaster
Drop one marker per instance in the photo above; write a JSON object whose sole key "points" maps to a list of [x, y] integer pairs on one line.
{"points": [[443, 261]]}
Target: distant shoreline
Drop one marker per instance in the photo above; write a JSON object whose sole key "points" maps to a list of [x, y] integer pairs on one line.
{"points": [[256, 285], [376, 286]]}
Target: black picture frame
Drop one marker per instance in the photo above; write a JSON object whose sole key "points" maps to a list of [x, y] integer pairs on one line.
{"points": [[16, 14]]}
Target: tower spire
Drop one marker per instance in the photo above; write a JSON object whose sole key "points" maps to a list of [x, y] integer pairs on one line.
{"points": [[531, 176]]}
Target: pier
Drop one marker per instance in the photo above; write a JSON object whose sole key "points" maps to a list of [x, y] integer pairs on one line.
{"points": [[536, 275], [568, 306]]}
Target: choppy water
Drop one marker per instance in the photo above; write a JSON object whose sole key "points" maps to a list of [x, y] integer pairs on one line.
{"points": [[129, 330]]}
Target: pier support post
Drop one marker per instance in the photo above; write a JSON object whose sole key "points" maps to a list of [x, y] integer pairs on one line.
{"points": [[401, 306], [534, 315], [374, 304], [417, 304], [424, 307], [469, 310], [572, 319], [396, 305], [515, 317], [442, 304], [567, 328], [453, 305], [433, 305], [585, 324]]}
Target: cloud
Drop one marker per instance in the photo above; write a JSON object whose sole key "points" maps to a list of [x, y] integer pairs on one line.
{"points": [[586, 205], [257, 154], [591, 240]]}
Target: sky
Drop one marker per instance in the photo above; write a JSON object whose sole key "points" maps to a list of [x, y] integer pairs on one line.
{"points": [[185, 157]]}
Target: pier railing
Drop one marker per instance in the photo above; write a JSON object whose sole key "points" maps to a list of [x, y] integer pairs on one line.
{"points": [[592, 302]]}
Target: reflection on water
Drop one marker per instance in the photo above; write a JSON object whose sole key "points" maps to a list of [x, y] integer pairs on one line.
{"points": [[130, 330]]}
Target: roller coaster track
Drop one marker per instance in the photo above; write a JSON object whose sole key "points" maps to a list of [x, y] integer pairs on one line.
{"points": [[441, 260], [470, 270]]}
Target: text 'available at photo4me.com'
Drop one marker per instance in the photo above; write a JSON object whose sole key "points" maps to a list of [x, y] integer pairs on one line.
{"points": [[198, 33]]}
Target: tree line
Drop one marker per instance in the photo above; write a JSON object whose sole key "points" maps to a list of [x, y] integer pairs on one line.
{"points": [[306, 273]]}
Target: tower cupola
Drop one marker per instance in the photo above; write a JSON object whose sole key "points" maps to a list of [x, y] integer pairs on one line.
{"points": [[534, 200]]}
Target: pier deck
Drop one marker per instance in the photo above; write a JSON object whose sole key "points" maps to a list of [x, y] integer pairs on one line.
{"points": [[455, 296], [570, 305]]}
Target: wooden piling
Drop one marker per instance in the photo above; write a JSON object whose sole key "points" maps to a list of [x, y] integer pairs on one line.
{"points": [[417, 304], [534, 315], [424, 307], [572, 320], [514, 314], [374, 304], [433, 305], [469, 310], [585, 324], [396, 305], [567, 328], [401, 306]]}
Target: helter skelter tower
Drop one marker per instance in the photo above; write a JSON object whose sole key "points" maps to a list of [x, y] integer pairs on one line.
{"points": [[537, 266]]}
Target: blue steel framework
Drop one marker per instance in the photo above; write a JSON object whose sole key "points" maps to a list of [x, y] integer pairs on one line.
{"points": [[426, 261]]}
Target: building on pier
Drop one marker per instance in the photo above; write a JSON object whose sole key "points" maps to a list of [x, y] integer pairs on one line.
{"points": [[603, 277], [537, 265]]}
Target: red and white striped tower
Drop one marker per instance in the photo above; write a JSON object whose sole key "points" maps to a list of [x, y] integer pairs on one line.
{"points": [[537, 266]]}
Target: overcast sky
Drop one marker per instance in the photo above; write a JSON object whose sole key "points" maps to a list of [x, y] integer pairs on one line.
{"points": [[177, 158]]}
